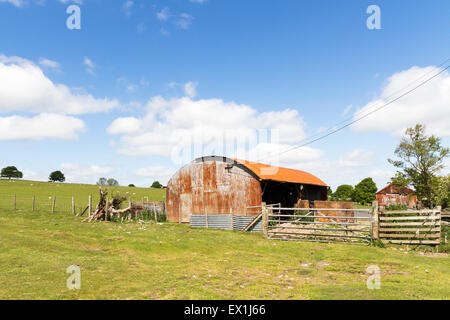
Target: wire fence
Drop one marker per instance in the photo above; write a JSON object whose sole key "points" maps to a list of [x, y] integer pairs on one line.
{"points": [[56, 204]]}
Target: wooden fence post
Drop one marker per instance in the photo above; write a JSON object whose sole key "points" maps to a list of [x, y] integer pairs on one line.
{"points": [[53, 204], [231, 219], [156, 216], [375, 220], [32, 203], [265, 220], [15, 207], [73, 205], [106, 208], [206, 219], [90, 205]]}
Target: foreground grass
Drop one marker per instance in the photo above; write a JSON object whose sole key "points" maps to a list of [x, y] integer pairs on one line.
{"points": [[170, 261], [44, 191]]}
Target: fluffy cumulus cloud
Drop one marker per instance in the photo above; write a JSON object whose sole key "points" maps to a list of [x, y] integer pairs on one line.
{"points": [[84, 173], [25, 88], [40, 127], [213, 125], [429, 104]]}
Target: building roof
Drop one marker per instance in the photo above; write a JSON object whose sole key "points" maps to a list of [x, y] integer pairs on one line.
{"points": [[268, 172], [392, 189]]}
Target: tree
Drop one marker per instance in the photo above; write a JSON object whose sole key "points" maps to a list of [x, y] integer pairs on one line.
{"points": [[11, 172], [365, 191], [421, 159], [344, 192], [441, 189], [156, 185], [102, 182], [57, 176], [112, 182], [131, 185]]}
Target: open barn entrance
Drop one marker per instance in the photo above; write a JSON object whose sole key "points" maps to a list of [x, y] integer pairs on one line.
{"points": [[288, 194]]}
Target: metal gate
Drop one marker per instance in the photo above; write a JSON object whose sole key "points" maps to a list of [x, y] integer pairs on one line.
{"points": [[323, 225]]}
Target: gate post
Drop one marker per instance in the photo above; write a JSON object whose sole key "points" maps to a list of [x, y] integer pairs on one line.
{"points": [[375, 233], [264, 219]]}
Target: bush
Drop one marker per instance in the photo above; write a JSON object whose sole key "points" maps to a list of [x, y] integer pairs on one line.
{"points": [[394, 207], [149, 215]]}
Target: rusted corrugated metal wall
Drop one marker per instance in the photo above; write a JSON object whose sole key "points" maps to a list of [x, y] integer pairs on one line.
{"points": [[388, 199], [208, 187]]}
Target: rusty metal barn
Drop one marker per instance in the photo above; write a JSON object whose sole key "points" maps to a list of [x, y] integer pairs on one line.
{"points": [[226, 187], [392, 195]]}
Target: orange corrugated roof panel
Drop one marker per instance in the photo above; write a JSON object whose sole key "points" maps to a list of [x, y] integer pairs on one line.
{"points": [[268, 172]]}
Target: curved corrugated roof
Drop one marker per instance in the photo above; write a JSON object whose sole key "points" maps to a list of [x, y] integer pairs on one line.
{"points": [[268, 172]]}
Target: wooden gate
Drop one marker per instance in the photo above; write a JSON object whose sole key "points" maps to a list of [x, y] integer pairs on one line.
{"points": [[410, 226], [316, 224]]}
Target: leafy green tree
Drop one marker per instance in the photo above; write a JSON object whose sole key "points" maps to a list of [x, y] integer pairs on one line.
{"points": [[102, 182], [11, 172], [344, 192], [112, 182], [131, 185], [441, 189], [156, 185], [57, 176], [365, 191], [421, 159]]}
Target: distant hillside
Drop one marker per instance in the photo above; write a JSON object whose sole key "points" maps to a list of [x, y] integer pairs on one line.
{"points": [[44, 191]]}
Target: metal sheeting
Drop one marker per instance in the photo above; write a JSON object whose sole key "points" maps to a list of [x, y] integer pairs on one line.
{"points": [[223, 221]]}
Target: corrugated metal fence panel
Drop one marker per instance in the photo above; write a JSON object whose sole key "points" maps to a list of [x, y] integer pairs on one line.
{"points": [[240, 222], [223, 221]]}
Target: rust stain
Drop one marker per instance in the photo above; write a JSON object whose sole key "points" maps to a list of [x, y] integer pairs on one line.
{"points": [[208, 187]]}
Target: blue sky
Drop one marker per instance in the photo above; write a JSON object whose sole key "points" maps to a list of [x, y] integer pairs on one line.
{"points": [[118, 96]]}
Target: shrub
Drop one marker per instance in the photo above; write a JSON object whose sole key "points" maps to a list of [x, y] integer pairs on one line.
{"points": [[393, 207]]}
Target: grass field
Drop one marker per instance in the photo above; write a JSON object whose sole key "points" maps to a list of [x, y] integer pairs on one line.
{"points": [[170, 261], [44, 191]]}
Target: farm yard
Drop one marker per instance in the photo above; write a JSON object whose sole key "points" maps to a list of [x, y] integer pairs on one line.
{"points": [[176, 261]]}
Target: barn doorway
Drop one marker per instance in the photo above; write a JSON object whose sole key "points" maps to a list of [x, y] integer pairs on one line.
{"points": [[288, 194]]}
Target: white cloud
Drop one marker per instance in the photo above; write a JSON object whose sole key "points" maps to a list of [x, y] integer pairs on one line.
{"points": [[17, 3], [190, 89], [198, 1], [179, 122], [40, 127], [49, 64], [74, 1], [357, 158], [163, 14], [125, 126], [127, 7], [346, 110], [156, 173], [184, 20], [90, 66], [25, 88], [429, 104], [84, 173]]}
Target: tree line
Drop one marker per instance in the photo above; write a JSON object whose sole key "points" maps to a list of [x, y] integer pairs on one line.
{"points": [[419, 163], [11, 172]]}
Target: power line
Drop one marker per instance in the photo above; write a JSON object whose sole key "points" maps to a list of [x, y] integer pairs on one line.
{"points": [[366, 115]]}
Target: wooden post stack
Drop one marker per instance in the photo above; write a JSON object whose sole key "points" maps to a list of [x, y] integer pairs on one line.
{"points": [[265, 219], [375, 232]]}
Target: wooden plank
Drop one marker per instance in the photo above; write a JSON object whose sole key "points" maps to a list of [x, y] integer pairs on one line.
{"points": [[247, 227], [400, 224], [410, 229], [411, 218], [410, 236], [412, 241]]}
